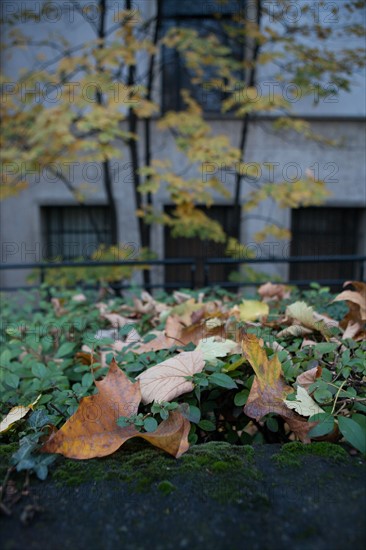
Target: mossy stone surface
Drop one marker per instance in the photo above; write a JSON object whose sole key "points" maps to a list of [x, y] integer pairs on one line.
{"points": [[215, 496], [143, 466], [292, 454]]}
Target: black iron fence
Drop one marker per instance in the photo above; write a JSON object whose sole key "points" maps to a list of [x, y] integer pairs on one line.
{"points": [[356, 260]]}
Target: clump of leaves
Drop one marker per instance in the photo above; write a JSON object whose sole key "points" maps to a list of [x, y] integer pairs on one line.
{"points": [[181, 370]]}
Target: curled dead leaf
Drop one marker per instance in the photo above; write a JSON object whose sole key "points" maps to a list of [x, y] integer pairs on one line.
{"points": [[93, 432], [269, 389]]}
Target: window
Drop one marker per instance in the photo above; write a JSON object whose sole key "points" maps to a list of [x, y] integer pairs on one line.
{"points": [[193, 247], [325, 231], [207, 17], [75, 231]]}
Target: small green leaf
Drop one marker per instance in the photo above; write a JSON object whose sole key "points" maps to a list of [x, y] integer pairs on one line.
{"points": [[223, 380], [325, 424], [87, 380], [194, 414], [123, 421], [11, 379], [65, 349], [322, 395], [164, 414], [207, 425], [353, 433], [150, 424], [39, 370], [272, 424], [241, 398], [325, 347]]}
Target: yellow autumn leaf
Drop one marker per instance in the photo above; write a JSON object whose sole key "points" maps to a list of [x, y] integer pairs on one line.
{"points": [[250, 310], [15, 414]]}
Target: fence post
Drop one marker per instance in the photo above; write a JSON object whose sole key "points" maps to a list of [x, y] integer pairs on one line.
{"points": [[193, 275], [206, 269], [362, 273]]}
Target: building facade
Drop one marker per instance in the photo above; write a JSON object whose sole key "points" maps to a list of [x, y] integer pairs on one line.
{"points": [[45, 221]]}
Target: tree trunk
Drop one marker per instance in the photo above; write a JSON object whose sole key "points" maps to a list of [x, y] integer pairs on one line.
{"points": [[150, 78], [245, 127], [106, 168]]}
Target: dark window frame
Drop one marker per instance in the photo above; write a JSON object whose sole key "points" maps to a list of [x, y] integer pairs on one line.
{"points": [[311, 227], [91, 228], [174, 101]]}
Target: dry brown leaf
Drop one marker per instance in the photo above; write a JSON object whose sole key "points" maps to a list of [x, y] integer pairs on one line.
{"points": [[92, 431], [305, 379], [181, 297], [163, 340], [269, 389], [116, 320], [167, 380], [269, 291], [352, 330], [356, 301]]}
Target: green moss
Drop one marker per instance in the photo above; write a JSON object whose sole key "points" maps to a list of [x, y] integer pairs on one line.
{"points": [[291, 454], [166, 487], [145, 467], [138, 463]]}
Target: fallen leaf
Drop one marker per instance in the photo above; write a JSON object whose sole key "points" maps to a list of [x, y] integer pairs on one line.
{"points": [[212, 348], [79, 298], [93, 432], [163, 340], [116, 320], [15, 414], [270, 291], [181, 297], [294, 330], [167, 380], [269, 389], [305, 379], [356, 301], [250, 310], [184, 311], [300, 314], [352, 330], [304, 404]]}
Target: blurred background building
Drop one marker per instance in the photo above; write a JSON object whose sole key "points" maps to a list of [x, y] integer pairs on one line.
{"points": [[45, 220]]}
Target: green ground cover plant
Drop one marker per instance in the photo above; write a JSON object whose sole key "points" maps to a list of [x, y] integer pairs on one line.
{"points": [[277, 366]]}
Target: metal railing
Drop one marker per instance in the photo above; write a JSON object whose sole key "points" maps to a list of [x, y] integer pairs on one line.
{"points": [[192, 263], [351, 258], [44, 266]]}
